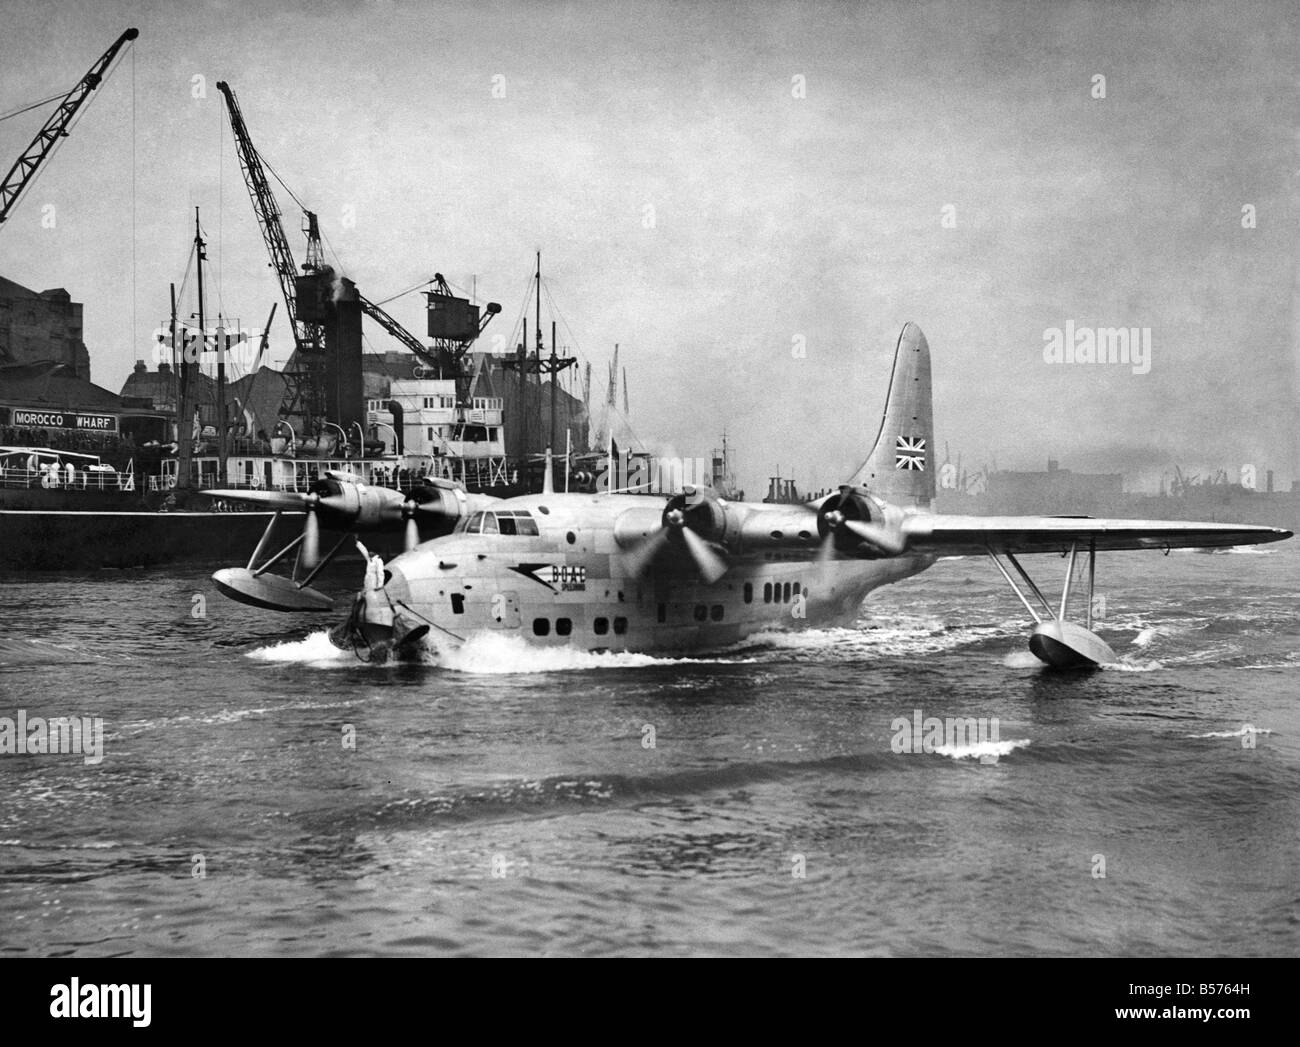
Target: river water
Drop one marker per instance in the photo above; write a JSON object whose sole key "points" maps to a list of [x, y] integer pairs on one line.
{"points": [[260, 794]]}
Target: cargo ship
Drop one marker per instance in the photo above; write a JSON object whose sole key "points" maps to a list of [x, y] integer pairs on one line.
{"points": [[94, 479]]}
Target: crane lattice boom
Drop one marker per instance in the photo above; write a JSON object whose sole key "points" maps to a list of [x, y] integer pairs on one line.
{"points": [[20, 176]]}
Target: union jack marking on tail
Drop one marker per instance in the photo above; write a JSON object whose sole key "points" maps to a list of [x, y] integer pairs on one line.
{"points": [[909, 453]]}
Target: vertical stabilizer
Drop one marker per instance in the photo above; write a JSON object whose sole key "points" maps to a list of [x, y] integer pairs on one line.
{"points": [[901, 467]]}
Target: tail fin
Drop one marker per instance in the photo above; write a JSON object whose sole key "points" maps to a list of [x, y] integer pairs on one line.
{"points": [[901, 467]]}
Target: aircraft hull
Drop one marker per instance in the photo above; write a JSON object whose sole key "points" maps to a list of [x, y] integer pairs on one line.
{"points": [[584, 600]]}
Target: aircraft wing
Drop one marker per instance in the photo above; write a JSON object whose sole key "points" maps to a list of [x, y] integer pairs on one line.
{"points": [[973, 535]]}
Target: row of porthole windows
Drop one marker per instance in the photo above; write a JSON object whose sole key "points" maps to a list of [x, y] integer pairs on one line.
{"points": [[564, 626], [774, 592], [706, 613]]}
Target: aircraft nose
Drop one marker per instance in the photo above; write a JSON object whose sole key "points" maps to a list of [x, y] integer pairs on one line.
{"points": [[382, 614]]}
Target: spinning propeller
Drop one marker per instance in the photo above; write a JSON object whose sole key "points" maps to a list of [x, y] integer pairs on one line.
{"points": [[690, 521], [849, 518], [342, 503]]}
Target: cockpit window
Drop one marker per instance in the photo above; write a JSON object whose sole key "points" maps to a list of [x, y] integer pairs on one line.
{"points": [[515, 522]]}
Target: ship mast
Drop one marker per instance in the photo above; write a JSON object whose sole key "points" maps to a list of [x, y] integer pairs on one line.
{"points": [[181, 368], [537, 351], [201, 249]]}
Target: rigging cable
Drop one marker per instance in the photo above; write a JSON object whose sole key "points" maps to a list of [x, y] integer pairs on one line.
{"points": [[34, 105], [135, 331]]}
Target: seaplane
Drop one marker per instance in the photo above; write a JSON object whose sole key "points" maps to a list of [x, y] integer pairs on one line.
{"points": [[691, 571]]}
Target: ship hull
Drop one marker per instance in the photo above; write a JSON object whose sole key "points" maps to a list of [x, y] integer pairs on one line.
{"points": [[51, 540]]}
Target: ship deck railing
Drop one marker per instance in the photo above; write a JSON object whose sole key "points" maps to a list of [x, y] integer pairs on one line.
{"points": [[58, 479]]}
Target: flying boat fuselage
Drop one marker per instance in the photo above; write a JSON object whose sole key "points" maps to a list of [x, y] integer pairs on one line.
{"points": [[550, 568]]}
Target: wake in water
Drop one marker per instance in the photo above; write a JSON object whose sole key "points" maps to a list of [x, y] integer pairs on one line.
{"points": [[315, 650], [482, 654], [986, 751], [495, 653], [878, 637], [498, 654], [15, 651], [1245, 731]]}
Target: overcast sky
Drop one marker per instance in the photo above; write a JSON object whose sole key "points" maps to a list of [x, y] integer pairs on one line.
{"points": [[776, 218]]}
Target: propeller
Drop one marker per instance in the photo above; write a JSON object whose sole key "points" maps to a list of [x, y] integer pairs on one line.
{"points": [[336, 497], [639, 557], [310, 549], [850, 514], [411, 533], [710, 565], [686, 522], [324, 494]]}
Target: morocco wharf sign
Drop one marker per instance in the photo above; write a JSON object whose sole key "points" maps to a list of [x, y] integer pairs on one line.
{"points": [[96, 423]]}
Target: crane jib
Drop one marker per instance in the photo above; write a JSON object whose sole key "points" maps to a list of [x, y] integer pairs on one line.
{"points": [[23, 172]]}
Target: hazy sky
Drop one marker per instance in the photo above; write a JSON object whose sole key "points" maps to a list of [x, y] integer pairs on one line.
{"points": [[775, 218]]}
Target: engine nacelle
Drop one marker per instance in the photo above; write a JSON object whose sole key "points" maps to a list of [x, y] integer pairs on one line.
{"points": [[357, 507], [361, 507], [852, 503], [709, 516]]}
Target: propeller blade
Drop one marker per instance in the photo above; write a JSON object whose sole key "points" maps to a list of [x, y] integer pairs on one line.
{"points": [[710, 565], [886, 541], [637, 558], [275, 499], [310, 541], [412, 537], [825, 557]]}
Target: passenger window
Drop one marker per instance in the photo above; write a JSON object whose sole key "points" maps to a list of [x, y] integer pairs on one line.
{"points": [[767, 592], [620, 626], [749, 592], [796, 588], [457, 603], [563, 626], [601, 626], [786, 597], [541, 627], [701, 612], [715, 612]]}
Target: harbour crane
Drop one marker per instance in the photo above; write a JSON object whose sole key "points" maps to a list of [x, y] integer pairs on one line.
{"points": [[55, 129], [447, 354], [444, 358], [306, 395]]}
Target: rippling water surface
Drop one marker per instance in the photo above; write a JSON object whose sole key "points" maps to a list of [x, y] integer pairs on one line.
{"points": [[507, 800]]}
